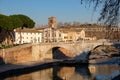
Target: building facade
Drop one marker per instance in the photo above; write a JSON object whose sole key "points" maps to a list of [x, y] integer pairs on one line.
{"points": [[27, 36], [52, 35], [73, 35]]}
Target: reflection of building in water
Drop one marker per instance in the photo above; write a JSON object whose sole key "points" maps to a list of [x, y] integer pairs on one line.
{"points": [[92, 69], [66, 73]]}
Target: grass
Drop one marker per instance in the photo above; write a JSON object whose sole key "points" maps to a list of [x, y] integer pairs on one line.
{"points": [[8, 46]]}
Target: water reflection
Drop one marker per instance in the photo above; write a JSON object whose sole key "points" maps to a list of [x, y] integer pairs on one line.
{"points": [[38, 75], [104, 72], [92, 72], [64, 73]]}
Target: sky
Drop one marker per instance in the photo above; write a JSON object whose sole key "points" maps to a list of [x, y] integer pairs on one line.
{"points": [[40, 10]]}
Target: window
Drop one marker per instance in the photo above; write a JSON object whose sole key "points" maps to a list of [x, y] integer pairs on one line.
{"points": [[51, 21], [70, 37], [59, 35], [65, 37]]}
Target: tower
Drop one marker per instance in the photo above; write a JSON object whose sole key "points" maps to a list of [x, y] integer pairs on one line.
{"points": [[52, 22]]}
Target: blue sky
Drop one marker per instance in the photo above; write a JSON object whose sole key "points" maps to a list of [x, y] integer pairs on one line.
{"points": [[40, 10]]}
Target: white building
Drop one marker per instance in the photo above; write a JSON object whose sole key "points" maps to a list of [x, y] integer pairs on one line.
{"points": [[52, 35], [27, 36]]}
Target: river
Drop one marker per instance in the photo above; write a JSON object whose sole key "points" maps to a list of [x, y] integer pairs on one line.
{"points": [[91, 72]]}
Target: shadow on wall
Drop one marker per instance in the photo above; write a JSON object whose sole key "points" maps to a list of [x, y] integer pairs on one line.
{"points": [[61, 53], [58, 54], [84, 56], [1, 61], [117, 46]]}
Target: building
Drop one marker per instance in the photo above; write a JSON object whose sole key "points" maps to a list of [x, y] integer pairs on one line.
{"points": [[52, 22], [52, 35], [73, 35], [69, 36], [27, 36]]}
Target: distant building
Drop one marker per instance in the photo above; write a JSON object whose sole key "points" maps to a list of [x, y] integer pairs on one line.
{"points": [[27, 36], [69, 36], [73, 35]]}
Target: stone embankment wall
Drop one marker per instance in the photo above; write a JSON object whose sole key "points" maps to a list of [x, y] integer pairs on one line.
{"points": [[16, 54]]}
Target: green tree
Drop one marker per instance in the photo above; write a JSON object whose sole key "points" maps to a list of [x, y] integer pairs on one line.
{"points": [[110, 11], [16, 21], [26, 21], [5, 22], [8, 23]]}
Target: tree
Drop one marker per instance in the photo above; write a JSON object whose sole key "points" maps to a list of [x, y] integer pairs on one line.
{"points": [[60, 24], [76, 23], [16, 21], [26, 21], [5, 22], [110, 12], [6, 27], [9, 23]]}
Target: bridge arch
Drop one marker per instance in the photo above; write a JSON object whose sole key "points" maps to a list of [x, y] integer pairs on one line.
{"points": [[97, 47], [93, 50], [59, 52]]}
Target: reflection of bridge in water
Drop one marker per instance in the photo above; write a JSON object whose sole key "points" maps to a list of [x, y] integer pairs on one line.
{"points": [[72, 49], [93, 72]]}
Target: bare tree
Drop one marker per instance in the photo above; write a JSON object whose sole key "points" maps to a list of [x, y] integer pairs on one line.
{"points": [[60, 24], [110, 11], [76, 23]]}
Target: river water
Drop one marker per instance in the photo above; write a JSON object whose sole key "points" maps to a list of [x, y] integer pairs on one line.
{"points": [[91, 72]]}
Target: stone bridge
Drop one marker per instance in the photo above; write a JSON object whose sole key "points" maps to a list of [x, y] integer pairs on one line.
{"points": [[78, 50], [42, 51]]}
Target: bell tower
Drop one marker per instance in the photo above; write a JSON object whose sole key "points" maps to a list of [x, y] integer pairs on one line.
{"points": [[52, 22]]}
